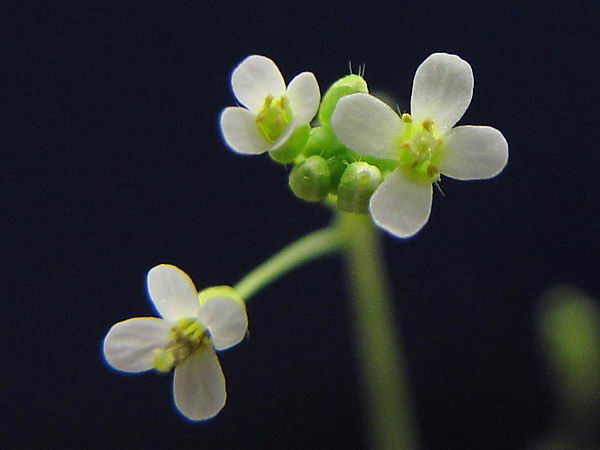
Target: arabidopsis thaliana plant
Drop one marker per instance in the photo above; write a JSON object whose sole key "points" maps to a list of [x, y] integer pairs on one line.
{"points": [[192, 327], [422, 144], [271, 112]]}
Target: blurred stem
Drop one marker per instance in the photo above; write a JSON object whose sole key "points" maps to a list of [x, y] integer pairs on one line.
{"points": [[379, 351], [312, 246]]}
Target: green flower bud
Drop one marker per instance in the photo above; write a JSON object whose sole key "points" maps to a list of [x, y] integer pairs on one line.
{"points": [[322, 142], [350, 84], [357, 185], [293, 146], [569, 326], [311, 179]]}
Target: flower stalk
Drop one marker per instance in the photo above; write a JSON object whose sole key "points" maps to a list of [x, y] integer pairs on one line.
{"points": [[312, 246], [378, 345], [379, 351]]}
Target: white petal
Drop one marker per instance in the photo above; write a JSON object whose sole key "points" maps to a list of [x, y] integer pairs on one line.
{"points": [[474, 153], [304, 96], [442, 90], [199, 385], [226, 320], [365, 124], [239, 129], [173, 292], [401, 205], [129, 344], [255, 78]]}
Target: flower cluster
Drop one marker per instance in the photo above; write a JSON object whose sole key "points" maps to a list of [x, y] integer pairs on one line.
{"points": [[362, 156], [348, 149], [192, 327]]}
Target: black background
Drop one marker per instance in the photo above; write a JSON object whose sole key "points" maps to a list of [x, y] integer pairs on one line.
{"points": [[113, 162]]}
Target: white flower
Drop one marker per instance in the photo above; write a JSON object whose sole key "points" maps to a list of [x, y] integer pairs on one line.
{"points": [[272, 112], [185, 338], [422, 145]]}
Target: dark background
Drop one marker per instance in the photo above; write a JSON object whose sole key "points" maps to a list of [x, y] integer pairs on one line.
{"points": [[113, 163]]}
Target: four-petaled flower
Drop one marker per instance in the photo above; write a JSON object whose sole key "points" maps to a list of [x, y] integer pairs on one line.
{"points": [[421, 145], [185, 338], [272, 113]]}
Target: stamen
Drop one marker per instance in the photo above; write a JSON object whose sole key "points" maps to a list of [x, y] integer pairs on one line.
{"points": [[274, 117], [421, 151], [186, 337]]}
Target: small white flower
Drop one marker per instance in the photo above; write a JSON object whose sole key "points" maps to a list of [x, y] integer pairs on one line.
{"points": [[272, 112], [422, 145], [185, 338]]}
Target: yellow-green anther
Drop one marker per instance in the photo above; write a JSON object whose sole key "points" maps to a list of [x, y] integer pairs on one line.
{"points": [[292, 147], [186, 337], [420, 154], [350, 84], [311, 179], [406, 118], [274, 117], [357, 185]]}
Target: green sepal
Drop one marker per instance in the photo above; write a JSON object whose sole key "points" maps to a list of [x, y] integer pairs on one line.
{"points": [[293, 146], [311, 179], [357, 185], [350, 84], [220, 291], [322, 142]]}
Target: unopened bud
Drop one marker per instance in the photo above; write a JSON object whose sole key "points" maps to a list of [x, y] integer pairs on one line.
{"points": [[311, 180], [350, 84], [357, 185]]}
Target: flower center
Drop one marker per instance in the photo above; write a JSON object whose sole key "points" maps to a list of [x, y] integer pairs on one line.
{"points": [[274, 117], [420, 150], [187, 336]]}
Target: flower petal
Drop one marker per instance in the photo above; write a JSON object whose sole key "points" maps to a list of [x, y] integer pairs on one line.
{"points": [[304, 96], [226, 320], [474, 153], [199, 385], [255, 78], [401, 205], [442, 90], [173, 292], [367, 125], [129, 344], [239, 129]]}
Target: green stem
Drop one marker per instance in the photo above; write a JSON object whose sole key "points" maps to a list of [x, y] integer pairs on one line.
{"points": [[307, 248], [378, 345]]}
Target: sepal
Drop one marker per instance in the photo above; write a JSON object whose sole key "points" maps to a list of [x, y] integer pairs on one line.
{"points": [[220, 291], [292, 147]]}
